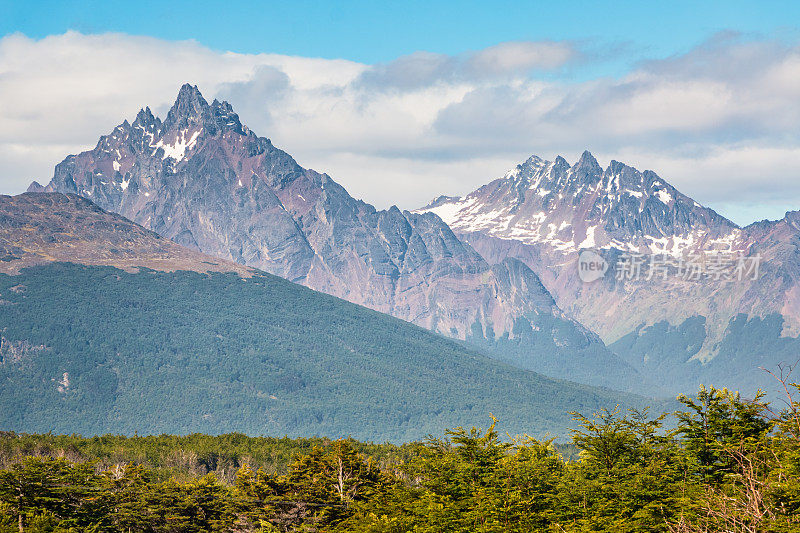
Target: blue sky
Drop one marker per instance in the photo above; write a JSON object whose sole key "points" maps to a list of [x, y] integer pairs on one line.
{"points": [[373, 32], [430, 97]]}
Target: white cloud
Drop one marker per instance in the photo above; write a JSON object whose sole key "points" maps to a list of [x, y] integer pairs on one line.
{"points": [[503, 61], [67, 90], [721, 122], [516, 57]]}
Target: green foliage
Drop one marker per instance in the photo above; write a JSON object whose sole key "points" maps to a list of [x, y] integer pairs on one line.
{"points": [[741, 473], [185, 457], [45, 490], [719, 421], [87, 348], [469, 481], [632, 474]]}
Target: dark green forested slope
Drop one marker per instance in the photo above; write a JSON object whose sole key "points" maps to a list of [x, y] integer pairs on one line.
{"points": [[95, 349]]}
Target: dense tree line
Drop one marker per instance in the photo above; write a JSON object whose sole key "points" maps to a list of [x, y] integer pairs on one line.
{"points": [[728, 464], [183, 457]]}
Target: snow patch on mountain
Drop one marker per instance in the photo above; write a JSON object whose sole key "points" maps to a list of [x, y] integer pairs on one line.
{"points": [[664, 196], [181, 145], [588, 242]]}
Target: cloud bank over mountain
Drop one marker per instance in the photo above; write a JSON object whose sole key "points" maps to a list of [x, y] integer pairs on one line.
{"points": [[720, 121]]}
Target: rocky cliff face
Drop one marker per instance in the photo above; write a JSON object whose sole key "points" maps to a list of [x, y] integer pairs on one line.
{"points": [[677, 314], [206, 181], [178, 177]]}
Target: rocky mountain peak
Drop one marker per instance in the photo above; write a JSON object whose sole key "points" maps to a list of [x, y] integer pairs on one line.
{"points": [[190, 107], [146, 120], [190, 101], [439, 200], [560, 164], [224, 118], [35, 186], [793, 218], [587, 165], [790, 222], [206, 182], [622, 176], [567, 208], [622, 180], [534, 161], [192, 113]]}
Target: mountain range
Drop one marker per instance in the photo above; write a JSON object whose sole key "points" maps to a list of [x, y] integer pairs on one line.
{"points": [[688, 295], [498, 268], [205, 181]]}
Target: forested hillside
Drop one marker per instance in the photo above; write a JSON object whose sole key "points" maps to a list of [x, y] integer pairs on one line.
{"points": [[95, 349]]}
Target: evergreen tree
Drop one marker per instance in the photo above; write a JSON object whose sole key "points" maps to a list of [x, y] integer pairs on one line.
{"points": [[718, 422]]}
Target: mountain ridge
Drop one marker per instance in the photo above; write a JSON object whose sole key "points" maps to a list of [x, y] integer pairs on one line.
{"points": [[38, 228], [546, 213], [207, 182], [551, 202]]}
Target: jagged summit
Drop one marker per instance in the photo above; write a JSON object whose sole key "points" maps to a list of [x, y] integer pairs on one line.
{"points": [[570, 207], [733, 311], [560, 162], [191, 111], [587, 164], [35, 186], [204, 180], [125, 161], [190, 103], [146, 119]]}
